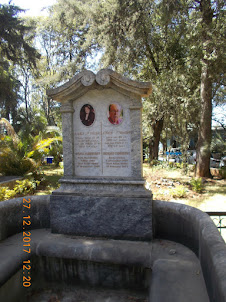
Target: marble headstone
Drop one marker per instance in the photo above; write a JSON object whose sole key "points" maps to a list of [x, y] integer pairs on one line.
{"points": [[102, 192]]}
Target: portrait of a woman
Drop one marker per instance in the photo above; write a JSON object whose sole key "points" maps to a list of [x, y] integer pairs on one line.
{"points": [[87, 115]]}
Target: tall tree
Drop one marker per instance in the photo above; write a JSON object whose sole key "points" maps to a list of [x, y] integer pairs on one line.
{"points": [[211, 14], [14, 42], [175, 44], [138, 39], [147, 37], [15, 50]]}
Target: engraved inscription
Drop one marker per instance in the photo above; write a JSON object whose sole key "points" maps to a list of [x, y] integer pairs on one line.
{"points": [[103, 153], [88, 160], [105, 148]]}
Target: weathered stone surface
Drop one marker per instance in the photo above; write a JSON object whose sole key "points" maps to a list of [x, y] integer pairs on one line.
{"points": [[102, 144], [82, 293], [101, 148], [177, 281], [13, 290], [195, 229], [174, 221], [103, 187], [63, 258], [112, 217], [85, 81], [11, 214]]}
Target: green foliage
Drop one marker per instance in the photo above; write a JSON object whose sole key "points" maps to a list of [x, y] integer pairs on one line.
{"points": [[22, 187], [6, 193], [166, 43], [13, 159], [174, 166], [26, 186], [15, 50], [16, 154], [155, 162], [61, 164], [197, 185], [218, 144], [56, 150], [14, 45], [223, 172], [166, 165], [178, 192]]}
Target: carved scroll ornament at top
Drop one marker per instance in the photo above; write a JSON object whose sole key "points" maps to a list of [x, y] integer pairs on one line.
{"points": [[103, 77], [88, 78]]}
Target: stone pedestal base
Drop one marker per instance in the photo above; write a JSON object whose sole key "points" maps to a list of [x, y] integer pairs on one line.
{"points": [[116, 209]]}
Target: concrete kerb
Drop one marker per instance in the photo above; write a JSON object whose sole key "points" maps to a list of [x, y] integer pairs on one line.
{"points": [[9, 181]]}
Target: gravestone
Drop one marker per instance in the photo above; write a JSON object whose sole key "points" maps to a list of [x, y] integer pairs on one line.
{"points": [[102, 192]]}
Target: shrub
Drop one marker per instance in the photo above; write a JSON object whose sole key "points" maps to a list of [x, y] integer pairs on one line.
{"points": [[10, 164], [223, 172], [6, 193], [25, 186], [20, 154], [178, 192], [197, 185], [155, 162]]}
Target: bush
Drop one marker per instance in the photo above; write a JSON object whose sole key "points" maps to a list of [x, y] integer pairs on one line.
{"points": [[155, 162], [20, 154], [197, 185], [25, 186], [22, 187], [6, 193], [12, 164], [178, 192], [223, 172]]}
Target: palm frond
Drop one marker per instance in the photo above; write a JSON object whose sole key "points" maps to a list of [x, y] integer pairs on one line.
{"points": [[41, 145]]}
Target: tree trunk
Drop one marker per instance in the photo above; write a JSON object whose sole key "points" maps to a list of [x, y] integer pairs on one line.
{"points": [[154, 141], [205, 135]]}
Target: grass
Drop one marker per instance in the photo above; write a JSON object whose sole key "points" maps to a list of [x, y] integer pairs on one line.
{"points": [[51, 182], [43, 183], [165, 184]]}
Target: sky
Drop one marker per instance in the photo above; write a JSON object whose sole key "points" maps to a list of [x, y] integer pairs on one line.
{"points": [[34, 7]]}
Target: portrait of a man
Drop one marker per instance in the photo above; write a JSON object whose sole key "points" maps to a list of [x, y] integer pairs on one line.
{"points": [[115, 114], [87, 115]]}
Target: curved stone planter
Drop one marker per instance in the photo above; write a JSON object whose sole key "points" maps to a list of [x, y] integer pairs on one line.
{"points": [[175, 222], [196, 230]]}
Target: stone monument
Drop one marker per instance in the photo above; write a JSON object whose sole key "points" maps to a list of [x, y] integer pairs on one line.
{"points": [[102, 192]]}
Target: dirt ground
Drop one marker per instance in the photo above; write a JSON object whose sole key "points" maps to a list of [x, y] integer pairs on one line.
{"points": [[164, 184]]}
